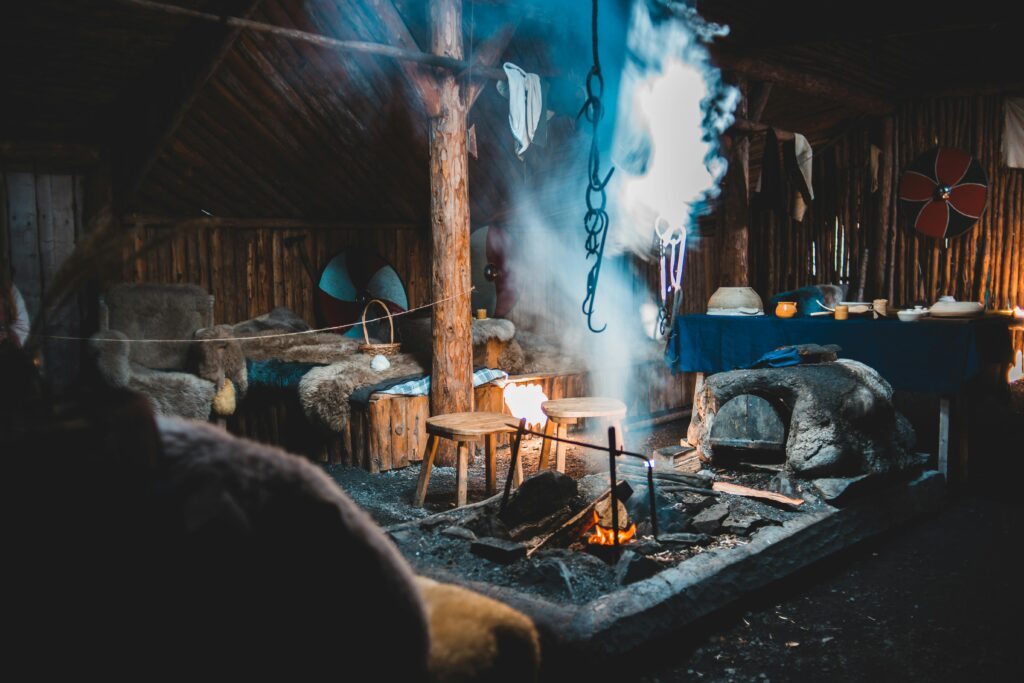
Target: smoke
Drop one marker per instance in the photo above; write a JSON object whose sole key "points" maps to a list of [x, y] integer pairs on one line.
{"points": [[672, 107]]}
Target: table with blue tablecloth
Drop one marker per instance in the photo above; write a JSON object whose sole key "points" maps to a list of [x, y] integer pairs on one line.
{"points": [[938, 356]]}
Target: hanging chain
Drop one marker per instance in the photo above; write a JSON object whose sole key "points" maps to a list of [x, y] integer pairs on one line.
{"points": [[595, 221]]}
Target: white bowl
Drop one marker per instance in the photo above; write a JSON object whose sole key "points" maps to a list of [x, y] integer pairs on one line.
{"points": [[912, 315], [956, 309]]}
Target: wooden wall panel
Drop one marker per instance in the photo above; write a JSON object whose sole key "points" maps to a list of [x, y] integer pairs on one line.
{"points": [[855, 234], [43, 221], [253, 270]]}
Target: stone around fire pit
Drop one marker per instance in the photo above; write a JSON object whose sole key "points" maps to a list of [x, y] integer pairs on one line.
{"points": [[538, 496], [841, 417], [498, 550], [709, 521], [633, 567]]}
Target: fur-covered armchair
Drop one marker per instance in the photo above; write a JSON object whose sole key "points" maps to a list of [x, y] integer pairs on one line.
{"points": [[184, 379]]}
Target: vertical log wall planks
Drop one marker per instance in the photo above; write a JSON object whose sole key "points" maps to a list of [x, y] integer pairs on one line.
{"points": [[849, 219], [734, 244], [42, 219], [451, 389]]}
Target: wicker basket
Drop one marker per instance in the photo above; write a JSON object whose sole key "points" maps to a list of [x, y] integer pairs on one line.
{"points": [[388, 349]]}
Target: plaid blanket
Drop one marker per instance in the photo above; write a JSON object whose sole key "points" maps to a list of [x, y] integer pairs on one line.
{"points": [[420, 386]]}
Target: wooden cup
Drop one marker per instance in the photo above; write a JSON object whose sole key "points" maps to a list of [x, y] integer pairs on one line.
{"points": [[481, 314], [881, 307], [842, 312]]}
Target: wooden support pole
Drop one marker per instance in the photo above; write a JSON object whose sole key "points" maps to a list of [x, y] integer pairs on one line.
{"points": [[451, 385]]}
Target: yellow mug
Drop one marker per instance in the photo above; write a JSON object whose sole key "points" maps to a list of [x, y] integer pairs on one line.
{"points": [[785, 309]]}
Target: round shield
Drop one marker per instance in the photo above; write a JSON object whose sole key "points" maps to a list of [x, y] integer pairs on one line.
{"points": [[352, 278], [943, 192], [493, 281]]}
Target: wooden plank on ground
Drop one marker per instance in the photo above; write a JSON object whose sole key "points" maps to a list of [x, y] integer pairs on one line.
{"points": [[747, 492]]}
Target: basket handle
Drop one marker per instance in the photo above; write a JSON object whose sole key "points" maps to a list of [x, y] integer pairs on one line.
{"points": [[391, 322]]}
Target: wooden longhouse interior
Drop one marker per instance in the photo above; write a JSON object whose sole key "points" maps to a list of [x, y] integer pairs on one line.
{"points": [[505, 340]]}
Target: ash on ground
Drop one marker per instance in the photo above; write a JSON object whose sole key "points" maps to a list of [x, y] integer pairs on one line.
{"points": [[477, 544]]}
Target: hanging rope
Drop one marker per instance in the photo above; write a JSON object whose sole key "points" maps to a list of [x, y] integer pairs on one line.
{"points": [[595, 221]]}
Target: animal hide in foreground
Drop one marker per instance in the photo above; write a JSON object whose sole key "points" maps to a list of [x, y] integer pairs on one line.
{"points": [[166, 549]]}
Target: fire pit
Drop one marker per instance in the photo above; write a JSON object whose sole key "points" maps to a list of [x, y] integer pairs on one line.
{"points": [[689, 544]]}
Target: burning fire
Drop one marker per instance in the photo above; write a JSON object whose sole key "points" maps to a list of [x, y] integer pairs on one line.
{"points": [[1018, 313], [605, 536], [524, 400]]}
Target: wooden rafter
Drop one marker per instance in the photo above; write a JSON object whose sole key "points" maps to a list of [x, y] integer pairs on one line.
{"points": [[486, 54], [453, 64], [800, 81], [148, 116], [398, 34]]}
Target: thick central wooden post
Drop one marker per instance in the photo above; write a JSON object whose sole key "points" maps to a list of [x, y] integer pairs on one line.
{"points": [[451, 388]]}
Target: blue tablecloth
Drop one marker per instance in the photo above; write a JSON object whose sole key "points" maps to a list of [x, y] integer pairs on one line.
{"points": [[930, 355]]}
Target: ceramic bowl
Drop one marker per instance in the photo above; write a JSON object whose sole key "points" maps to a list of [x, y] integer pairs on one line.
{"points": [[735, 298], [956, 309], [912, 314]]}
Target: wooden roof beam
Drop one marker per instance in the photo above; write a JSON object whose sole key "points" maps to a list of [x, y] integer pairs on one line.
{"points": [[398, 34], [148, 116], [485, 55], [390, 51], [803, 82]]}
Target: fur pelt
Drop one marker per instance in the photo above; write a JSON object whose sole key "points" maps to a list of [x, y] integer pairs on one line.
{"points": [[324, 391], [154, 311], [168, 392], [220, 360], [280, 319], [110, 354], [339, 573], [173, 393], [476, 638], [319, 347]]}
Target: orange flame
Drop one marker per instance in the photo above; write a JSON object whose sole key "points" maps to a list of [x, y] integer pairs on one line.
{"points": [[1018, 313], [605, 536], [524, 400]]}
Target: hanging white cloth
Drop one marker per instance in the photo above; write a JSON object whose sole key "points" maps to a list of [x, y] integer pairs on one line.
{"points": [[1013, 133], [804, 158], [525, 104]]}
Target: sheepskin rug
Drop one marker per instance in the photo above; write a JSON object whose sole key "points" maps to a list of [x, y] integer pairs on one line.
{"points": [[476, 638], [324, 391]]}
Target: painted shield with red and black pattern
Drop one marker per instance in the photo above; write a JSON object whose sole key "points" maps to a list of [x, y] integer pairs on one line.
{"points": [[350, 280], [944, 192]]}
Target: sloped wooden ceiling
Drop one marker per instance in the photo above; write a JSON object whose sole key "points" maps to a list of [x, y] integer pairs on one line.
{"points": [[284, 129], [281, 129], [890, 51]]}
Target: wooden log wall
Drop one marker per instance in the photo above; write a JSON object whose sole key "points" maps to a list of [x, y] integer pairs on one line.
{"points": [[855, 234], [250, 271], [41, 220]]}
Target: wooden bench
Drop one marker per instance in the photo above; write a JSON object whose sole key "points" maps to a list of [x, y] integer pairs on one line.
{"points": [[463, 429], [568, 411]]}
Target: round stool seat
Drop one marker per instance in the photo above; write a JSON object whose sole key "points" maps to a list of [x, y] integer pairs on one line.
{"points": [[590, 406], [469, 426]]}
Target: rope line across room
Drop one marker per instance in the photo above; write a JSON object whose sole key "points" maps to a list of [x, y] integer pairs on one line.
{"points": [[221, 340]]}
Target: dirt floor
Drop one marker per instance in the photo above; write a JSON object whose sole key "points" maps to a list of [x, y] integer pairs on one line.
{"points": [[934, 601]]}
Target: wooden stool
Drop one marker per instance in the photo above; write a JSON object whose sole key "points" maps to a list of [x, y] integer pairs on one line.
{"points": [[463, 429], [567, 411]]}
